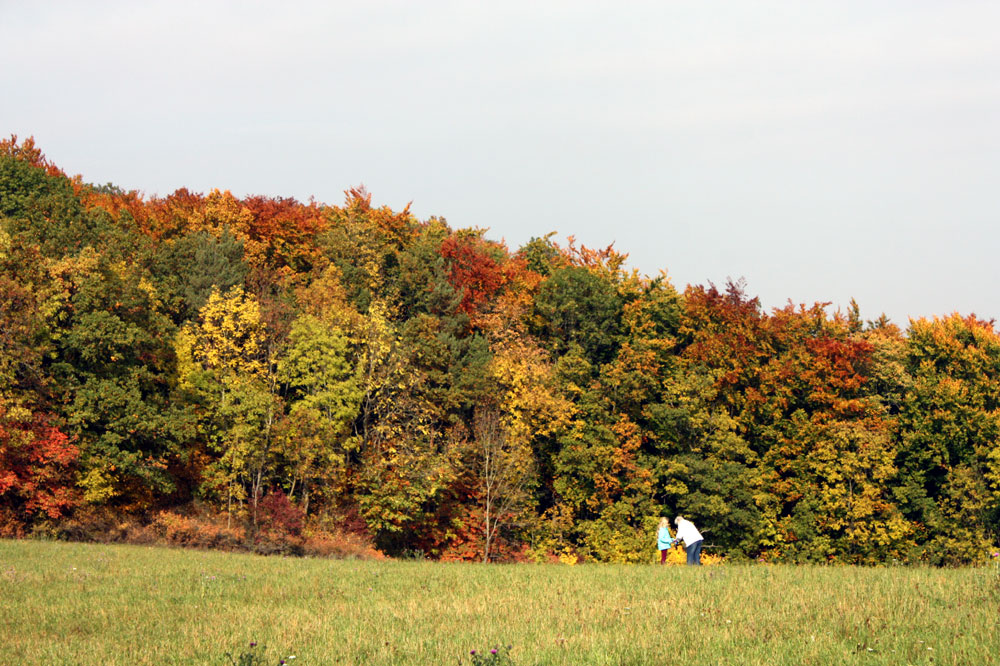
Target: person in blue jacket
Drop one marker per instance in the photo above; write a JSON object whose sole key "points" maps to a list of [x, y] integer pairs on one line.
{"points": [[663, 540]]}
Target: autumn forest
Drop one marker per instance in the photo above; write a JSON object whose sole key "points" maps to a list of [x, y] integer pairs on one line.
{"points": [[278, 376]]}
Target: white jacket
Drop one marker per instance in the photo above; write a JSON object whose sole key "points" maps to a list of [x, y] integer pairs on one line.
{"points": [[687, 532]]}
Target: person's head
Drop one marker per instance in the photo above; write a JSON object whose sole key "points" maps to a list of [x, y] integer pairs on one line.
{"points": [[678, 520], [664, 522]]}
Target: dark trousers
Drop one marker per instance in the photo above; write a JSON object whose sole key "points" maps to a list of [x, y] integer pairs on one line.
{"points": [[694, 553], [663, 555]]}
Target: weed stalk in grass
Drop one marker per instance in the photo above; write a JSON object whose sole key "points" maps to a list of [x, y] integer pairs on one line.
{"points": [[248, 657], [495, 656]]}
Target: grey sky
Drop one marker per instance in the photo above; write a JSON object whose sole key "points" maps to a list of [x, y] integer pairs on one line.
{"points": [[820, 150]]}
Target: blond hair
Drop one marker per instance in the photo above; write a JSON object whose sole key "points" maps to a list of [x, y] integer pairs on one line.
{"points": [[664, 522]]}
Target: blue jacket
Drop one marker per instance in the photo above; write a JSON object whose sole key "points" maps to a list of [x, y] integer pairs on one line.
{"points": [[663, 540]]}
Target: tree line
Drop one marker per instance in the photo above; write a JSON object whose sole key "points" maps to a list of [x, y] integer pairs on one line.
{"points": [[448, 396]]}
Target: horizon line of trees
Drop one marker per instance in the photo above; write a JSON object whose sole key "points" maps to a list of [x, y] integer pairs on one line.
{"points": [[459, 399]]}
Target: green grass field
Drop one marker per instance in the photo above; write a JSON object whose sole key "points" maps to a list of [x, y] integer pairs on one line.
{"points": [[91, 604]]}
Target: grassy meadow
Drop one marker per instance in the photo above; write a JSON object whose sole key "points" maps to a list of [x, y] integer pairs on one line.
{"points": [[66, 603]]}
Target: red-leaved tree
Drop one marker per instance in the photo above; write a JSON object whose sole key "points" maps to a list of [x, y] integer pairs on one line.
{"points": [[36, 465]]}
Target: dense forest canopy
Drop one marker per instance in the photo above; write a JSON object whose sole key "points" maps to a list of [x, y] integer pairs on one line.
{"points": [[352, 367]]}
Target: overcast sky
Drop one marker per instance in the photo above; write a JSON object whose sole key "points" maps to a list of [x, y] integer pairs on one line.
{"points": [[820, 150]]}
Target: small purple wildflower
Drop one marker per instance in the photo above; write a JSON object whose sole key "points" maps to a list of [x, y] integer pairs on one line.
{"points": [[493, 651], [996, 554], [472, 652], [253, 643]]}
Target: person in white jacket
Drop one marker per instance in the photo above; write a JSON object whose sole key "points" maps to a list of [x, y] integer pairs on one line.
{"points": [[689, 534]]}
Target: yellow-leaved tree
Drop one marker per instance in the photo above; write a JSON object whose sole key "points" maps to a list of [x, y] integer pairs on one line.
{"points": [[321, 373], [529, 410], [224, 363]]}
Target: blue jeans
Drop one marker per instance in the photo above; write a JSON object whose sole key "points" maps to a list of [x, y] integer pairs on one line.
{"points": [[694, 553]]}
